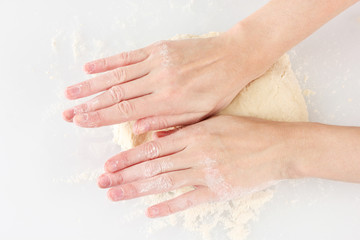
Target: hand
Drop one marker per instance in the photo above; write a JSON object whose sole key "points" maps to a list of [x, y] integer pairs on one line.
{"points": [[223, 157], [169, 83]]}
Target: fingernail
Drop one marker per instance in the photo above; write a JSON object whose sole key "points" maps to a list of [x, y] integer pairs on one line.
{"points": [[116, 194], [90, 67], [73, 91], [153, 211], [104, 181]]}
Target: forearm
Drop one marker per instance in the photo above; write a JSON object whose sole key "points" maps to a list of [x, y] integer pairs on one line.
{"points": [[281, 24], [329, 152]]}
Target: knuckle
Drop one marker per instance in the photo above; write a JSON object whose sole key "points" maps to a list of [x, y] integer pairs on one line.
{"points": [[169, 208], [82, 108], [130, 190], [94, 119], [87, 86], [166, 165], [125, 108], [125, 160], [125, 57], [104, 62], [97, 117], [151, 169], [152, 149], [162, 49], [159, 44], [119, 179], [160, 123], [116, 93], [119, 74], [170, 73], [166, 181]]}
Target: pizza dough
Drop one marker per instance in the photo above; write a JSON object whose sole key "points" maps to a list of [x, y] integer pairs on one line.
{"points": [[276, 95]]}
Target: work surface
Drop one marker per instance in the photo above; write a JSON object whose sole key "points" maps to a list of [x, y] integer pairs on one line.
{"points": [[43, 45]]}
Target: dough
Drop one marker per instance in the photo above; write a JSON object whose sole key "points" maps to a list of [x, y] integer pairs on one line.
{"points": [[276, 96]]}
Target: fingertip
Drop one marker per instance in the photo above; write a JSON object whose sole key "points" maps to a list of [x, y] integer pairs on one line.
{"points": [[66, 94], [110, 194], [104, 181], [115, 194], [153, 212], [73, 92], [68, 115], [147, 213], [89, 68], [111, 166]]}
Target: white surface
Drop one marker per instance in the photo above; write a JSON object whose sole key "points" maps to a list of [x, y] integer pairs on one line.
{"points": [[37, 147]]}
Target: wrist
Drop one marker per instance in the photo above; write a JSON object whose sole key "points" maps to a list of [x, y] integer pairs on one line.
{"points": [[301, 149], [323, 151], [251, 54], [262, 44]]}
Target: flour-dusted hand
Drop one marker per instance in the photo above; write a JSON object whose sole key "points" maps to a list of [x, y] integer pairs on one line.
{"points": [[174, 83], [169, 83], [225, 157]]}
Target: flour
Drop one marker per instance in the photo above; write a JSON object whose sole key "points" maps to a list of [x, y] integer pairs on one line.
{"points": [[274, 96], [308, 92], [89, 175], [211, 218]]}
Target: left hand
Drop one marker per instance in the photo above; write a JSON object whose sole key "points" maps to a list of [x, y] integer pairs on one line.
{"points": [[169, 83], [223, 157]]}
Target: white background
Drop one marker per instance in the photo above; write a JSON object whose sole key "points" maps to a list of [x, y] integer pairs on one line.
{"points": [[39, 151]]}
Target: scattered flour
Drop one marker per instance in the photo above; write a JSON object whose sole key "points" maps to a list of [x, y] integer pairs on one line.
{"points": [[86, 176], [308, 92], [210, 219]]}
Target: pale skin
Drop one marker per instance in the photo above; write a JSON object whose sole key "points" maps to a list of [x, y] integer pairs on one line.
{"points": [[184, 83]]}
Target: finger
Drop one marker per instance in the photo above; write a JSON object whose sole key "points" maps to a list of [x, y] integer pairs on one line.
{"points": [[121, 112], [119, 60], [107, 80], [147, 169], [147, 151], [162, 122], [110, 97], [181, 203], [158, 184]]}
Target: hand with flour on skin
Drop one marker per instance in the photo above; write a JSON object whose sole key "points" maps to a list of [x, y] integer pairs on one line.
{"points": [[219, 156], [227, 157], [169, 83], [174, 83]]}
